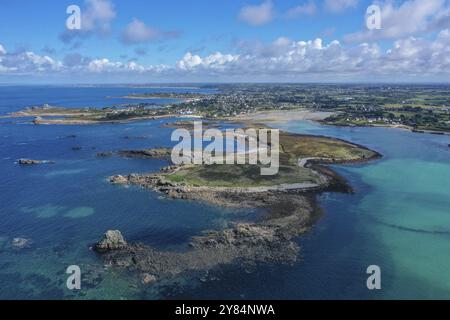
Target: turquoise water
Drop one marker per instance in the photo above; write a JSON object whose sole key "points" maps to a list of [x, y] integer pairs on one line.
{"points": [[398, 218], [400, 214]]}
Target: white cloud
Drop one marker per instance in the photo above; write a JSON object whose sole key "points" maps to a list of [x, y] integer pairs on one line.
{"points": [[189, 61], [27, 61], [138, 32], [340, 5], [213, 61], [410, 18], [257, 15], [102, 66], [308, 8], [96, 18], [2, 50]]}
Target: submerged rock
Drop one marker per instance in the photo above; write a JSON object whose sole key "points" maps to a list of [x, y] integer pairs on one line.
{"points": [[269, 240], [157, 153], [112, 240], [148, 278], [20, 243], [104, 154], [27, 162], [118, 179]]}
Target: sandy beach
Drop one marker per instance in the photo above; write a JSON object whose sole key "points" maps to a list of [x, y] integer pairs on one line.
{"points": [[283, 116]]}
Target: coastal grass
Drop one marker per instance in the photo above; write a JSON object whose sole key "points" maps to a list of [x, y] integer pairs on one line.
{"points": [[292, 149], [240, 176], [335, 150]]}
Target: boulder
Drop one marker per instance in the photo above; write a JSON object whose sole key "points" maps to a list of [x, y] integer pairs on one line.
{"points": [[148, 278], [27, 162], [104, 154], [112, 240], [118, 179], [20, 243]]}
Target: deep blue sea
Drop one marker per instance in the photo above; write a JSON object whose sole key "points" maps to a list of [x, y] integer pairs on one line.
{"points": [[398, 218]]}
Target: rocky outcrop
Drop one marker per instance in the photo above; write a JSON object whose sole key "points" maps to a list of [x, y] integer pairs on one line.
{"points": [[104, 154], [157, 153], [20, 243], [118, 179], [135, 138], [28, 162], [148, 278], [112, 240], [272, 239]]}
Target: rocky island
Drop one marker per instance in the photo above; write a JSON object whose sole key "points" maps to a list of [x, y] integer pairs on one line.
{"points": [[287, 200], [79, 116]]}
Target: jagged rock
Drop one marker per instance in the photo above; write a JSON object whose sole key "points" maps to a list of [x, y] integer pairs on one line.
{"points": [[118, 179], [104, 154], [148, 278], [27, 162], [20, 243], [112, 240], [158, 153]]}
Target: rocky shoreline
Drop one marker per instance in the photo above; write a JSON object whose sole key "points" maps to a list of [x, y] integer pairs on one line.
{"points": [[288, 213], [270, 240]]}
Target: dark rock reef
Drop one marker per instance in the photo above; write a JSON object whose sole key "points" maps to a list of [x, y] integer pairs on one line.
{"points": [[272, 239], [156, 153], [28, 162]]}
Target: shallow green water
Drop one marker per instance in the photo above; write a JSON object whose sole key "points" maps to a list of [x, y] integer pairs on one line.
{"points": [[401, 209]]}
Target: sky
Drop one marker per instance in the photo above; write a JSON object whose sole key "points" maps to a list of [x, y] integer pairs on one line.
{"points": [[138, 41]]}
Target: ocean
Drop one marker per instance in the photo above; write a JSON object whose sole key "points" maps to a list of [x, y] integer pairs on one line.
{"points": [[398, 218]]}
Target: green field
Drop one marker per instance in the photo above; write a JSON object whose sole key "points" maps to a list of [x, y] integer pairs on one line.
{"points": [[292, 148]]}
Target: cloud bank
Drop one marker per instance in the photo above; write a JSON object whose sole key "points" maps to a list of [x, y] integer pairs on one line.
{"points": [[282, 59], [410, 18]]}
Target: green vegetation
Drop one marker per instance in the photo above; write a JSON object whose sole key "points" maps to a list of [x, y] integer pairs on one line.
{"points": [[298, 146], [49, 114], [419, 107], [292, 148], [240, 176]]}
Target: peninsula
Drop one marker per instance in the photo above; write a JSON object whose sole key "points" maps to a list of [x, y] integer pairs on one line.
{"points": [[287, 201]]}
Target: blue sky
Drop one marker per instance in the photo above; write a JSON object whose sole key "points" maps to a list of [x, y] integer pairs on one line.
{"points": [[222, 40]]}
